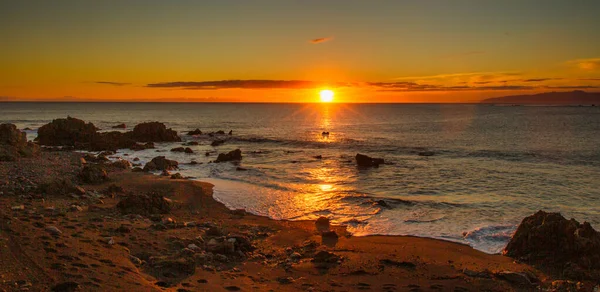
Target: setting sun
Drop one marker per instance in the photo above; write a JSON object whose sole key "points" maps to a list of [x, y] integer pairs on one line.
{"points": [[326, 95]]}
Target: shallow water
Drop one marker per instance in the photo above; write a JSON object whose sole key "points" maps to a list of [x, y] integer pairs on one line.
{"points": [[492, 165]]}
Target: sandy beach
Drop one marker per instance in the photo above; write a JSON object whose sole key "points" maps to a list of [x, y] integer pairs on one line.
{"points": [[69, 241]]}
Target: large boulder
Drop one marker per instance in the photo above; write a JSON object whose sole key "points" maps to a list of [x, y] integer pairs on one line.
{"points": [[110, 141], [364, 160], [154, 132], [563, 246], [13, 144], [93, 174], [151, 203], [231, 156], [161, 163], [67, 132]]}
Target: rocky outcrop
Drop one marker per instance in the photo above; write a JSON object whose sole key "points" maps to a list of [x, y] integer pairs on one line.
{"points": [[154, 132], [93, 174], [194, 132], [110, 141], [564, 246], [364, 160], [13, 144], [67, 132], [151, 203], [231, 156], [119, 126], [161, 163], [139, 147]]}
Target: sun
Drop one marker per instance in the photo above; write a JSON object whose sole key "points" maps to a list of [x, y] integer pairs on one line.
{"points": [[326, 95]]}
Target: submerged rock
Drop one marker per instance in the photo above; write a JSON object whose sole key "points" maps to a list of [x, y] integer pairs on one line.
{"points": [[232, 155], [194, 132], [564, 246], [364, 160]]}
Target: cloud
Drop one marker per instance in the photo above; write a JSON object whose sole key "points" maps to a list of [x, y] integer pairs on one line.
{"points": [[320, 40], [247, 84], [112, 83], [464, 54], [586, 64], [539, 79]]}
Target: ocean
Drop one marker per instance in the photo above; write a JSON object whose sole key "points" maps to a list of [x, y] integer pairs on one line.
{"points": [[492, 165]]}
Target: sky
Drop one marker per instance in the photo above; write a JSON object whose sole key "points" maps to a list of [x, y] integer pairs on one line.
{"points": [[287, 51]]}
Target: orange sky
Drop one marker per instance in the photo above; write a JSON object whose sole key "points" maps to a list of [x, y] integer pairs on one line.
{"points": [[286, 51]]}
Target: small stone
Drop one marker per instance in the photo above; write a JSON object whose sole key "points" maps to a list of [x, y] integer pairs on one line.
{"points": [[285, 280], [53, 230], [295, 256], [108, 240], [19, 207]]}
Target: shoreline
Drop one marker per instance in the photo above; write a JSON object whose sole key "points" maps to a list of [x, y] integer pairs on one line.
{"points": [[284, 256]]}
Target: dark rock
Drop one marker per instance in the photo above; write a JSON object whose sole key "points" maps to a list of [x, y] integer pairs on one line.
{"points": [[519, 279], [93, 174], [194, 132], [165, 173], [564, 246], [13, 144], [217, 143], [322, 224], [165, 267], [154, 132], [188, 150], [318, 157], [426, 153], [191, 143], [241, 168], [193, 162], [230, 132], [151, 203], [119, 126], [66, 132], [139, 147], [176, 176], [326, 257], [109, 141], [394, 263], [161, 163], [383, 203], [65, 287], [137, 169], [232, 155], [121, 163], [220, 132], [364, 160], [178, 149], [57, 186]]}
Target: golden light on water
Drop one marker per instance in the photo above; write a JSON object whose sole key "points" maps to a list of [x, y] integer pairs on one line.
{"points": [[326, 95]]}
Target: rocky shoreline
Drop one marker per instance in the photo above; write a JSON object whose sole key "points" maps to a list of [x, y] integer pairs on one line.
{"points": [[70, 222]]}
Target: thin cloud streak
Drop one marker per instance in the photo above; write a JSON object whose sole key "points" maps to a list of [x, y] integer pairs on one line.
{"points": [[112, 83], [320, 40]]}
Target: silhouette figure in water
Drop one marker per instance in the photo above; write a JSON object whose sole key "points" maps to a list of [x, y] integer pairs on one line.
{"points": [[325, 134]]}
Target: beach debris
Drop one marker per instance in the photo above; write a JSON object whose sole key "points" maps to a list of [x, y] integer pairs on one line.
{"points": [[322, 224], [364, 160], [119, 126], [549, 240], [161, 163], [93, 174], [151, 203], [230, 156]]}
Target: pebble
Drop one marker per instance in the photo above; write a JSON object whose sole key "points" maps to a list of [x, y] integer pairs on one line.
{"points": [[53, 230]]}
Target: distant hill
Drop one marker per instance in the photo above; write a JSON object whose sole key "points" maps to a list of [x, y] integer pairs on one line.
{"points": [[572, 97]]}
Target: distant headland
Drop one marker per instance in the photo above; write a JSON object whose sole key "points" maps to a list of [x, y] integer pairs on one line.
{"points": [[576, 97]]}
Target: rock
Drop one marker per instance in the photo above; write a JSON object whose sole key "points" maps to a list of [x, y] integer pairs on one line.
{"points": [[75, 208], [549, 240], [383, 203], [79, 190], [57, 186], [53, 230], [137, 169], [135, 260], [230, 132], [93, 174], [285, 280], [326, 257], [322, 224], [161, 163], [13, 144], [19, 207], [123, 229], [122, 164], [154, 132], [521, 279], [191, 143], [139, 147], [109, 141], [241, 168], [151, 203], [318, 157], [165, 173], [67, 132], [231, 156], [176, 176], [65, 287], [178, 149], [220, 132], [426, 153], [295, 256], [193, 162], [214, 231], [364, 160], [108, 240], [189, 150], [217, 143], [194, 132], [165, 267], [331, 235], [119, 126]]}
